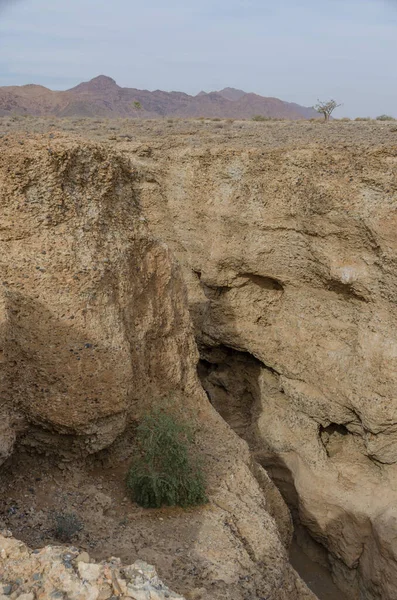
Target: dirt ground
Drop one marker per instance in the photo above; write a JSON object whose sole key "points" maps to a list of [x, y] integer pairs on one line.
{"points": [[34, 490], [198, 132]]}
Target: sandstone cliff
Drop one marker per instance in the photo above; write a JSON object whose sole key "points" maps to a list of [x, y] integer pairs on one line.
{"points": [[289, 254], [94, 328]]}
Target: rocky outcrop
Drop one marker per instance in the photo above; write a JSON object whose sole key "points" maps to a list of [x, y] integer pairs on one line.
{"points": [[290, 256], [93, 311], [95, 328], [59, 572]]}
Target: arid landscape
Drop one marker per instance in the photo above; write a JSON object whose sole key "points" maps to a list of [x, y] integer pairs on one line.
{"points": [[247, 272]]}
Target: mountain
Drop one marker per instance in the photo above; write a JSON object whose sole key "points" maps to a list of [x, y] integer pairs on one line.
{"points": [[232, 94], [102, 97]]}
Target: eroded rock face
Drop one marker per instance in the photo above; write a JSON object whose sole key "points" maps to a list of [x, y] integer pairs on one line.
{"points": [[95, 327], [290, 256], [93, 312]]}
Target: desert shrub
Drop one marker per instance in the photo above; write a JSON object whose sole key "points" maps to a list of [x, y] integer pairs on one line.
{"points": [[66, 525], [260, 118], [165, 471], [362, 119], [385, 118]]}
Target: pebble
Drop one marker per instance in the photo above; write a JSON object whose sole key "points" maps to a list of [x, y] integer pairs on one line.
{"points": [[88, 571], [7, 589]]}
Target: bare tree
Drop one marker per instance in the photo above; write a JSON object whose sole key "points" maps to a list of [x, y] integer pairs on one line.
{"points": [[326, 108]]}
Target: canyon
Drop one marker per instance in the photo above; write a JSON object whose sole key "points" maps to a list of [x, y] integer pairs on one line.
{"points": [[246, 269]]}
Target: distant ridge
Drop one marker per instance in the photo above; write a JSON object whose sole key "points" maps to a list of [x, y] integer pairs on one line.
{"points": [[102, 97]]}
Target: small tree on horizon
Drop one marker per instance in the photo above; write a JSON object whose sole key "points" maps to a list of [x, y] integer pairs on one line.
{"points": [[326, 108], [385, 118]]}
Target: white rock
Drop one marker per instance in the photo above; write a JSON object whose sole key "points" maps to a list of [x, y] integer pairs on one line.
{"points": [[89, 571]]}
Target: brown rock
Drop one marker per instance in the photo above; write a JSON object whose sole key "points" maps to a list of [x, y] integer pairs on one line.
{"points": [[290, 256], [95, 328]]}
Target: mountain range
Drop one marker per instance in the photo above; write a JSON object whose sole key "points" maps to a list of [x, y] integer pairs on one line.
{"points": [[102, 97]]}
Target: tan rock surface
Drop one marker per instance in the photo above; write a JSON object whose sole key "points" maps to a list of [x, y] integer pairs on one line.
{"points": [[86, 293], [290, 258], [54, 572], [95, 327]]}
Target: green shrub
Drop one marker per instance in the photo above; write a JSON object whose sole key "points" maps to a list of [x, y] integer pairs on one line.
{"points": [[385, 118], [165, 471], [260, 118]]}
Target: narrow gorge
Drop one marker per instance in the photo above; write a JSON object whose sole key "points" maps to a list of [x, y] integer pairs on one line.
{"points": [[252, 282], [289, 254]]}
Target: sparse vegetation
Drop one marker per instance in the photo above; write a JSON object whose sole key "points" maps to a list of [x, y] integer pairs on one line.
{"points": [[165, 471], [260, 118], [326, 108], [66, 525], [385, 118], [363, 119]]}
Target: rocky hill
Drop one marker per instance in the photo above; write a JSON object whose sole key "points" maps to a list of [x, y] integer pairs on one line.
{"points": [[102, 97]]}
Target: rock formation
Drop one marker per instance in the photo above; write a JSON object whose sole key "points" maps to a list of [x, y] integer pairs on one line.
{"points": [[58, 572], [290, 256], [95, 327]]}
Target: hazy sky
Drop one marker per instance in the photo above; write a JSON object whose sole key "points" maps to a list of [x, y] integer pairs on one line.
{"points": [[297, 50]]}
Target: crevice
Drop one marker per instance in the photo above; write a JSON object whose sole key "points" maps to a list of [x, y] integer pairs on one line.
{"points": [[214, 292], [332, 437], [233, 381], [345, 289], [266, 283], [230, 379]]}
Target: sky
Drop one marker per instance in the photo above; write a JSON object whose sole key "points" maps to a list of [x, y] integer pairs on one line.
{"points": [[296, 50]]}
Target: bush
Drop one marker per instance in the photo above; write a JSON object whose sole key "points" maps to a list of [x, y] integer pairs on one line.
{"points": [[363, 119], [165, 472], [385, 118], [66, 525], [260, 118]]}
